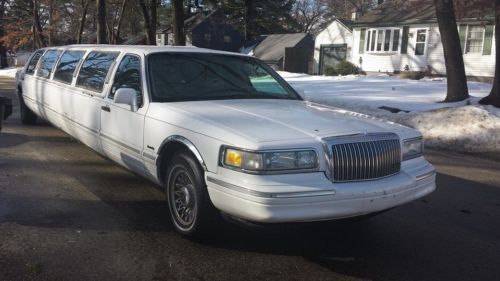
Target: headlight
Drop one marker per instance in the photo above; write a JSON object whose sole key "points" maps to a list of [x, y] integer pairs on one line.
{"points": [[413, 148], [269, 161]]}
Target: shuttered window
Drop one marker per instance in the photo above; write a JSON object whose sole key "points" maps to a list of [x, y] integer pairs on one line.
{"points": [[362, 41], [475, 36], [488, 40]]}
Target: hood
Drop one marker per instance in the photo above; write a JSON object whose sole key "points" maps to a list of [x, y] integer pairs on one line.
{"points": [[278, 120]]}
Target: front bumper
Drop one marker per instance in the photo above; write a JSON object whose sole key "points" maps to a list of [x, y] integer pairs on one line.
{"points": [[312, 197]]}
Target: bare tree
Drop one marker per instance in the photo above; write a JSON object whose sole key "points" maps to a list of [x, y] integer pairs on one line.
{"points": [[120, 20], [85, 8], [150, 20], [101, 21], [494, 97], [38, 36], [3, 50], [309, 14], [178, 23], [455, 70]]}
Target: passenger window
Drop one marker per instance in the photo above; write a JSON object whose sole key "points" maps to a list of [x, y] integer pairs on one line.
{"points": [[47, 63], [67, 65], [33, 62], [128, 75], [94, 70]]}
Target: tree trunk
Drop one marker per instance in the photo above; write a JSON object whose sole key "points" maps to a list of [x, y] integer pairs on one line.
{"points": [[494, 97], [154, 22], [149, 24], [82, 22], [37, 26], [51, 23], [247, 19], [455, 70], [178, 23], [101, 21], [120, 20], [3, 50]]}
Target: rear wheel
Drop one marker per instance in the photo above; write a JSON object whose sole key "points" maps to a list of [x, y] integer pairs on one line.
{"points": [[191, 211], [27, 116]]}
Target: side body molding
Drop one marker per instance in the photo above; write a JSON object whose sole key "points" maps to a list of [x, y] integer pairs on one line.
{"points": [[178, 139]]}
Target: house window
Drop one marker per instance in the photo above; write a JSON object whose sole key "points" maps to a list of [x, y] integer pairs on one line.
{"points": [[475, 36], [227, 39], [420, 43], [383, 40], [208, 36]]}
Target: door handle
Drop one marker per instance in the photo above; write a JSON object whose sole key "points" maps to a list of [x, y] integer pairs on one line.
{"points": [[106, 108]]}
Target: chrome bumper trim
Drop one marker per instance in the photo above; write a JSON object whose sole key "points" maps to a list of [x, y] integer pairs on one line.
{"points": [[268, 194]]}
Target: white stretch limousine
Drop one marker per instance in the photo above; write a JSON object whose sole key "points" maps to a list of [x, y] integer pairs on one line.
{"points": [[223, 131]]}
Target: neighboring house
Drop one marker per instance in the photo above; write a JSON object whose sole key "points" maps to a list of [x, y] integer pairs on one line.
{"points": [[397, 37], [206, 30], [333, 45], [291, 52], [406, 37]]}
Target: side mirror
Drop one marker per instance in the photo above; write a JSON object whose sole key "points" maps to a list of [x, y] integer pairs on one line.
{"points": [[127, 96]]}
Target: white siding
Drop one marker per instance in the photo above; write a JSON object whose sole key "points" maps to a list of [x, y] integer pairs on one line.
{"points": [[475, 64], [335, 33]]}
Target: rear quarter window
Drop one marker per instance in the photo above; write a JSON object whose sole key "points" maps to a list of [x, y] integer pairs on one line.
{"points": [[30, 69], [94, 70], [67, 65], [47, 63]]}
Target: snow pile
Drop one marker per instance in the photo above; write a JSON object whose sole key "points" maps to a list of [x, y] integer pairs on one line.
{"points": [[468, 128], [9, 72], [461, 126]]}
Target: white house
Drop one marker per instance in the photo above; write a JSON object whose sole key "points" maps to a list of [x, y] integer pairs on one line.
{"points": [[332, 45], [393, 38]]}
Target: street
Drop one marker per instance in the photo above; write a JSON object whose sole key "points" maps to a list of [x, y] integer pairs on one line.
{"points": [[66, 213]]}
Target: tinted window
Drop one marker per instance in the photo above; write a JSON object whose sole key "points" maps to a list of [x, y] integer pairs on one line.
{"points": [[183, 77], [47, 63], [34, 60], [128, 75], [94, 70], [67, 65]]}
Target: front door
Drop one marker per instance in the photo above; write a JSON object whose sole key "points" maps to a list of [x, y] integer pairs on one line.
{"points": [[419, 63], [331, 55], [121, 127]]}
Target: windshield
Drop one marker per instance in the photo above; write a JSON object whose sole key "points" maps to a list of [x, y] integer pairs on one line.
{"points": [[197, 76]]}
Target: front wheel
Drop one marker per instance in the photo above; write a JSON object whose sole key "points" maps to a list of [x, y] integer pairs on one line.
{"points": [[28, 117], [191, 211]]}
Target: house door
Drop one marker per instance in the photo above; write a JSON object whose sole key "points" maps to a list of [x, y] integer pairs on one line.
{"points": [[419, 62], [331, 55]]}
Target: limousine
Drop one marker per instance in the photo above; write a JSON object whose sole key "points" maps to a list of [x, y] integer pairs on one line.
{"points": [[223, 133]]}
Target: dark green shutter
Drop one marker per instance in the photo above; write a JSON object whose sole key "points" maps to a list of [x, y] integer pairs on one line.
{"points": [[462, 33], [488, 40], [362, 41], [404, 43]]}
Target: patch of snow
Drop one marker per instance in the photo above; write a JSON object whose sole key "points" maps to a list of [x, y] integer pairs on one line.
{"points": [[460, 126], [9, 72]]}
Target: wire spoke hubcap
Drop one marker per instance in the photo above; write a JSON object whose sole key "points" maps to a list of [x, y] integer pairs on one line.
{"points": [[183, 197]]}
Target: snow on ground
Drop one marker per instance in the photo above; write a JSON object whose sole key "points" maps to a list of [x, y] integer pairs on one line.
{"points": [[9, 72], [461, 126]]}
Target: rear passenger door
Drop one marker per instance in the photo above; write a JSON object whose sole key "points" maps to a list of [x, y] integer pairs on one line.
{"points": [[84, 105], [121, 126]]}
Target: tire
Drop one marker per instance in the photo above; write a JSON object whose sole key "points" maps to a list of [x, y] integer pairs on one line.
{"points": [[191, 212], [27, 116]]}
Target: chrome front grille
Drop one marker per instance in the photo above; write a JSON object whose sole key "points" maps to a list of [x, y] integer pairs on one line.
{"points": [[365, 157]]}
